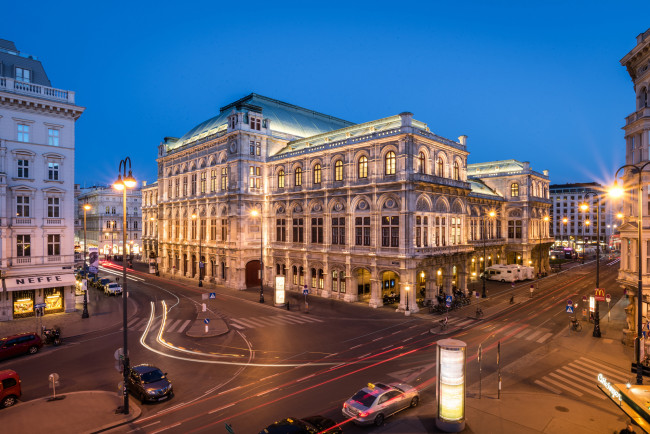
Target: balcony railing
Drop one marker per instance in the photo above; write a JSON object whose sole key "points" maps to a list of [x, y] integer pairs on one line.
{"points": [[18, 261], [10, 85], [488, 242], [53, 222], [641, 113], [23, 221], [433, 179]]}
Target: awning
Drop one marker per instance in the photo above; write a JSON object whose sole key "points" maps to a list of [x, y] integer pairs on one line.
{"points": [[18, 283]]}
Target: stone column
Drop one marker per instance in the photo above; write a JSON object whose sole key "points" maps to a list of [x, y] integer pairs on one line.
{"points": [[375, 293]]}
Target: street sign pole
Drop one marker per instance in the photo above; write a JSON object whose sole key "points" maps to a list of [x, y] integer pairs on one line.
{"points": [[480, 356]]}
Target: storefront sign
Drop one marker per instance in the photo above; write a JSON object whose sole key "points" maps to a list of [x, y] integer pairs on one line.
{"points": [[279, 289], [33, 282], [615, 393]]}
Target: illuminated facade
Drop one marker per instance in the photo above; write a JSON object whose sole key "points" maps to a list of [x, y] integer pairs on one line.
{"points": [[37, 143], [350, 211]]}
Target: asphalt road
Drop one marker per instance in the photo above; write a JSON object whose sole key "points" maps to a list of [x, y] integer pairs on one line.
{"points": [[275, 363]]}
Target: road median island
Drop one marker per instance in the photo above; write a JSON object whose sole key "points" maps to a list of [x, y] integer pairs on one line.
{"points": [[216, 326]]}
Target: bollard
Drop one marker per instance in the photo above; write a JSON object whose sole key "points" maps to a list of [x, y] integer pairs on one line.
{"points": [[288, 306], [206, 328], [204, 307]]}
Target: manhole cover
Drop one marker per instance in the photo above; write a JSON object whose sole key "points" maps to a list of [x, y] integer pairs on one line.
{"points": [[562, 409]]}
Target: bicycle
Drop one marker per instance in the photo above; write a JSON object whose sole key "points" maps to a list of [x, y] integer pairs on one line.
{"points": [[575, 325], [443, 324]]}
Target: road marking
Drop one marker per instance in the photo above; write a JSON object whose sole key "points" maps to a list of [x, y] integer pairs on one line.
{"points": [[534, 335], [521, 334], [304, 378], [385, 348], [590, 364], [562, 386], [237, 326], [378, 339], [142, 427], [173, 324], [219, 409], [543, 338], [181, 328], [356, 346], [464, 323], [591, 371], [244, 322], [266, 392], [547, 387], [133, 321], [407, 339], [577, 386], [168, 427], [365, 355]]}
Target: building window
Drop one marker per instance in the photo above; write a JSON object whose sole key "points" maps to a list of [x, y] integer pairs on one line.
{"points": [[456, 171], [107, 212], [298, 230], [193, 185], [514, 229], [53, 245], [53, 171], [23, 133], [421, 163], [298, 177], [193, 227], [254, 180], [295, 275], [177, 187], [338, 230], [314, 278], [440, 230], [317, 230], [362, 231], [22, 206], [390, 231], [224, 229], [317, 174], [390, 163], [185, 186], [335, 281], [421, 231], [363, 167], [23, 168], [281, 178], [23, 75], [53, 210], [23, 245], [440, 167], [224, 178], [213, 180], [338, 170], [204, 176], [281, 230], [53, 137], [514, 189], [256, 124], [454, 237], [252, 146], [213, 229], [258, 148]]}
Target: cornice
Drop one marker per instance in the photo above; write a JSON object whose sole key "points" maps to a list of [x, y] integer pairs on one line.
{"points": [[44, 105]]}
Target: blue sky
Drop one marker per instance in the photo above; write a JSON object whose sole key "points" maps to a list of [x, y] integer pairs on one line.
{"points": [[531, 81]]}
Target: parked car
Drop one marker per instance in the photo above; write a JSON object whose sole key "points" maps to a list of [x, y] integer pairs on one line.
{"points": [[148, 383], [19, 344], [377, 401], [101, 283], [113, 288], [307, 425], [9, 388]]}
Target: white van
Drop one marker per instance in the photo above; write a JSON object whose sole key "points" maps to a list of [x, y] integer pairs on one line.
{"points": [[501, 273], [522, 272]]}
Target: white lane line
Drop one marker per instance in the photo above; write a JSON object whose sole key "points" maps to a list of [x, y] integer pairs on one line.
{"points": [[142, 427], [385, 348], [266, 392], [356, 346], [283, 320], [547, 387], [304, 378], [296, 320], [378, 339], [573, 373], [315, 319], [133, 321], [543, 338], [139, 323], [331, 355], [220, 408], [274, 320], [167, 427], [590, 364], [521, 333], [365, 355], [173, 325], [407, 339], [181, 328], [245, 322], [562, 386], [589, 370], [577, 386], [534, 335], [237, 326], [154, 325]]}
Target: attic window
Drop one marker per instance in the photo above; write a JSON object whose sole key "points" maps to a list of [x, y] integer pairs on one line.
{"points": [[256, 124], [24, 75]]}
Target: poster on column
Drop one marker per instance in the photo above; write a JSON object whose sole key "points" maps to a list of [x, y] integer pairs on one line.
{"points": [[93, 259]]}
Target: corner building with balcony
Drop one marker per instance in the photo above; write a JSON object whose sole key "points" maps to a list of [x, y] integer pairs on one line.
{"points": [[350, 211], [37, 142]]}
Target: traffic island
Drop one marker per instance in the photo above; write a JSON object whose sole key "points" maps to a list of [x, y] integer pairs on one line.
{"points": [[207, 325]]}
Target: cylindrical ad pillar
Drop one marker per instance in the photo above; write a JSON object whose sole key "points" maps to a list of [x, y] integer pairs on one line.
{"points": [[450, 384]]}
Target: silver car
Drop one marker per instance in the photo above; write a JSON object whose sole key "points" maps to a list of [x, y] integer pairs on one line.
{"points": [[377, 401]]}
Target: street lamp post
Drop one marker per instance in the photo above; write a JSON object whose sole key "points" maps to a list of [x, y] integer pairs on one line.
{"points": [[407, 313], [491, 214], [255, 213], [123, 184], [541, 233], [584, 207], [198, 221], [596, 332], [616, 191], [85, 311]]}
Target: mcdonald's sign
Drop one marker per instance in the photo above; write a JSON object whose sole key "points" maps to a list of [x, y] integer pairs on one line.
{"points": [[599, 294]]}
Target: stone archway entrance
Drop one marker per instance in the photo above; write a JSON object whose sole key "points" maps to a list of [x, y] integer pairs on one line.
{"points": [[253, 273]]}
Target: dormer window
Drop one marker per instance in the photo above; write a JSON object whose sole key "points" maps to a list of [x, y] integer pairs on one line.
{"points": [[256, 123], [24, 75]]}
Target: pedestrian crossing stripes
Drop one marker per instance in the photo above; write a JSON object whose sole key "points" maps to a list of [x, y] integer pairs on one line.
{"points": [[267, 321], [171, 326], [579, 378], [533, 334]]}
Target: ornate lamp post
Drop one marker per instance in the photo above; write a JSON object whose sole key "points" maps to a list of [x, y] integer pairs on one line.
{"points": [[85, 311], [596, 332], [407, 312], [491, 214], [198, 220], [617, 191], [122, 184], [255, 213]]}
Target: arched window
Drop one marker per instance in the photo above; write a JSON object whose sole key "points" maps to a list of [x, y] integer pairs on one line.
{"points": [[363, 167], [421, 166], [514, 190], [298, 177], [390, 163], [440, 167], [338, 170], [317, 173], [281, 178], [456, 171]]}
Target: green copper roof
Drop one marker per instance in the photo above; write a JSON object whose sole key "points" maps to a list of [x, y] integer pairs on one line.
{"points": [[287, 119]]}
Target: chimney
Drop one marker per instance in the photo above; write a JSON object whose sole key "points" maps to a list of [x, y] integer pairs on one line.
{"points": [[407, 118]]}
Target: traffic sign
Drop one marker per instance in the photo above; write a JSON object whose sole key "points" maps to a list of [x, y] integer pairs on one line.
{"points": [[207, 320], [201, 264], [305, 291], [213, 295], [569, 308], [600, 294], [608, 298], [477, 294], [569, 302], [448, 298], [448, 304]]}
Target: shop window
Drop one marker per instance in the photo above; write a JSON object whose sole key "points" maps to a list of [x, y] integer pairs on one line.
{"points": [[23, 303], [53, 298]]}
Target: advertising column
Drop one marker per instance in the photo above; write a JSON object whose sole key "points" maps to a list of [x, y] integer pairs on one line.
{"points": [[450, 384]]}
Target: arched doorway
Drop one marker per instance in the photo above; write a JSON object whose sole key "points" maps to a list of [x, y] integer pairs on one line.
{"points": [[184, 264], [422, 284], [390, 284], [193, 266], [363, 283], [253, 273]]}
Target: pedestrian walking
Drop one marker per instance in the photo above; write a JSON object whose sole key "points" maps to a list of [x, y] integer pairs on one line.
{"points": [[532, 289], [629, 429]]}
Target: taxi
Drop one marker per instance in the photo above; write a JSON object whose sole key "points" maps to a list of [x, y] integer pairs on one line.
{"points": [[377, 401]]}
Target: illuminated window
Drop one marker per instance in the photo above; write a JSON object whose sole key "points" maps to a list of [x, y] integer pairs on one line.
{"points": [[338, 170], [298, 177], [440, 167], [23, 245], [390, 163], [363, 167], [456, 171], [22, 206], [317, 174], [281, 178], [421, 163], [514, 189]]}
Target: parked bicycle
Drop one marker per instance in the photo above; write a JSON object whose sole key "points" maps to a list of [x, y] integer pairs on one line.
{"points": [[575, 324]]}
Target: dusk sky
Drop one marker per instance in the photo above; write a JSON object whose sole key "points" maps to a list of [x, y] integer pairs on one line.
{"points": [[538, 82]]}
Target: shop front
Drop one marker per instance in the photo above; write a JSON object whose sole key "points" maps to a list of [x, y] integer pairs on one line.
{"points": [[48, 294]]}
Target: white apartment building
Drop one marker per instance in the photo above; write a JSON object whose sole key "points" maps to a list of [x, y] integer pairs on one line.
{"points": [[37, 143], [104, 222]]}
